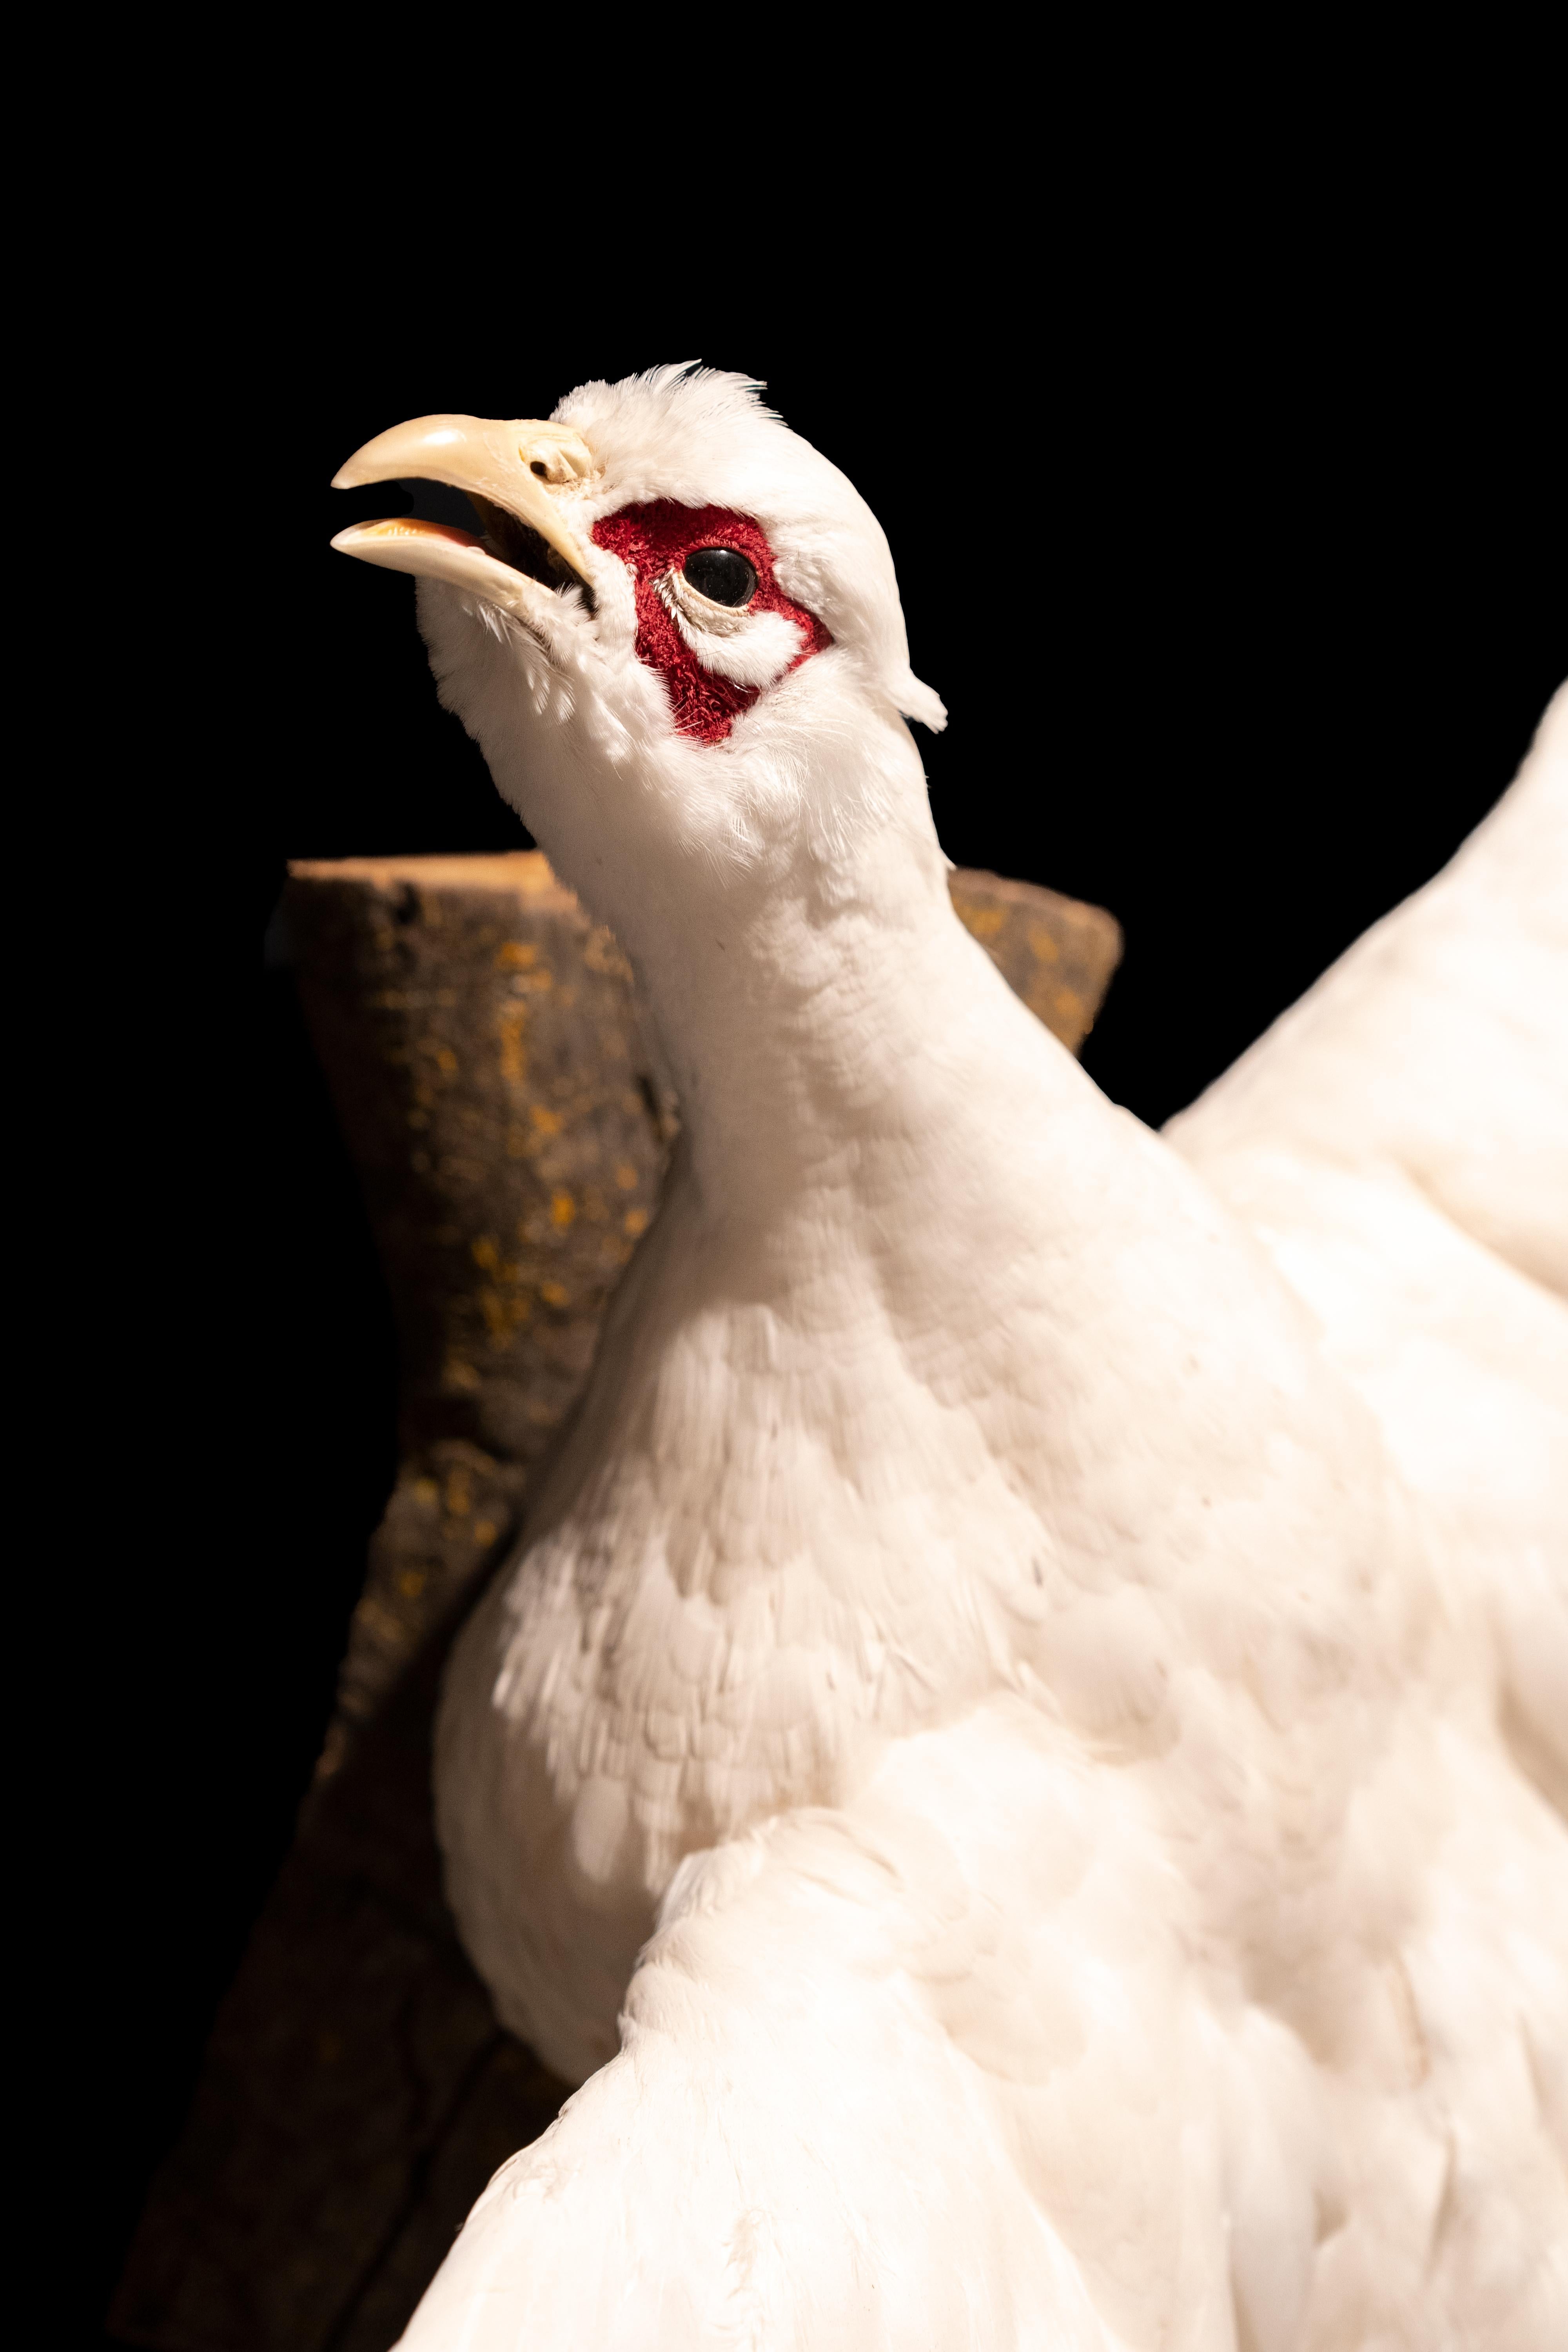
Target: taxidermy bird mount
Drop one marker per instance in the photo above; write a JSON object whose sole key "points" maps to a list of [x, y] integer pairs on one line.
{"points": [[1018, 1758]]}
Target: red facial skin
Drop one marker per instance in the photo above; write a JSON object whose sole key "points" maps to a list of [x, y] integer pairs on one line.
{"points": [[656, 539]]}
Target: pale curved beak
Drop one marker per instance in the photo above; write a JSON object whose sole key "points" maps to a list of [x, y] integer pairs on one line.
{"points": [[524, 471]]}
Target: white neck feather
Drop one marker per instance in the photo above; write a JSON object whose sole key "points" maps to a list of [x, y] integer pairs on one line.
{"points": [[801, 979]]}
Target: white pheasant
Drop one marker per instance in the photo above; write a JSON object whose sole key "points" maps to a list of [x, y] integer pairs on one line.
{"points": [[1017, 1758]]}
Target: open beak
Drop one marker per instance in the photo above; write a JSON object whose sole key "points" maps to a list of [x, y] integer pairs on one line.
{"points": [[519, 478]]}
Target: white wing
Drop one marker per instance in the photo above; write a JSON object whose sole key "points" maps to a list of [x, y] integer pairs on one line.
{"points": [[1400, 1141], [800, 2144], [959, 2066]]}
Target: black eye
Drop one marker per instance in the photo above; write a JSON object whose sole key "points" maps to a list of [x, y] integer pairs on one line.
{"points": [[723, 575]]}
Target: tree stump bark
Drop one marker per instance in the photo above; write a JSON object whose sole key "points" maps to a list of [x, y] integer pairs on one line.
{"points": [[491, 1068]]}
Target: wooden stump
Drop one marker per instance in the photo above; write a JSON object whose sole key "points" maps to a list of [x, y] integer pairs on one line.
{"points": [[490, 1063]]}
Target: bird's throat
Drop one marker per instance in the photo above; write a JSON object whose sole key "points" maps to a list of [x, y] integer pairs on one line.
{"points": [[807, 1024]]}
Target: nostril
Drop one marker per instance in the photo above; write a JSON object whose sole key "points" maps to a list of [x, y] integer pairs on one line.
{"points": [[540, 468]]}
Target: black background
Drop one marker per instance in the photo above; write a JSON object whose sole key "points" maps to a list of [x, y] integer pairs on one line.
{"points": [[1234, 545]]}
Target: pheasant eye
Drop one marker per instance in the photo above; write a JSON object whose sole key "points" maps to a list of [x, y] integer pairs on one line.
{"points": [[722, 574]]}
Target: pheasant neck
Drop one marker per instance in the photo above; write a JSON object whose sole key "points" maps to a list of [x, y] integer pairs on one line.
{"points": [[814, 1019]]}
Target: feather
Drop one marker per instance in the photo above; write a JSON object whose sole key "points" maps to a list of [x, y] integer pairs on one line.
{"points": [[1400, 1141]]}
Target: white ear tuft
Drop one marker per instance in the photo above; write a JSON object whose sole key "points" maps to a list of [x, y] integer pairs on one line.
{"points": [[920, 702]]}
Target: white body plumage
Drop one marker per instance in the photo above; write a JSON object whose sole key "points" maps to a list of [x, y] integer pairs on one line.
{"points": [[1052, 1643]]}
